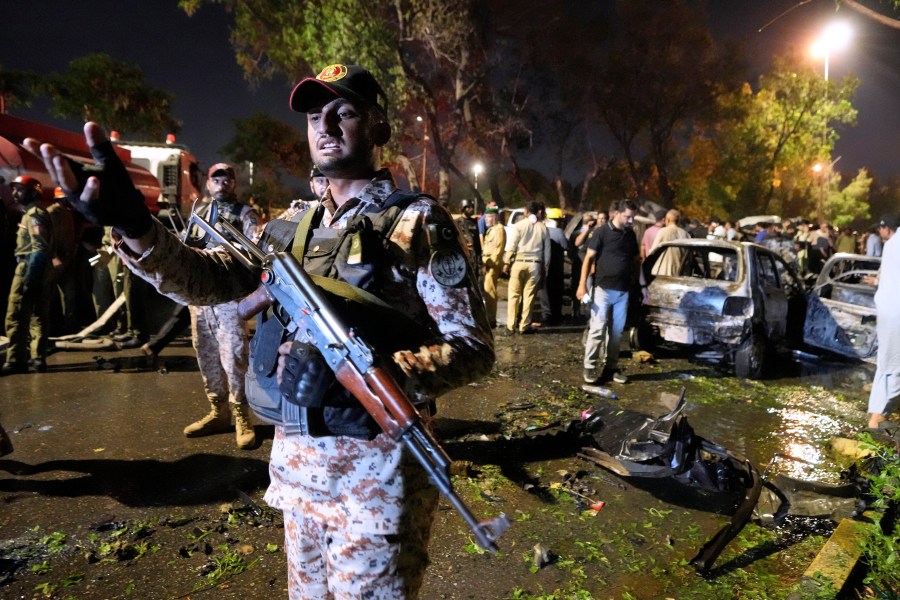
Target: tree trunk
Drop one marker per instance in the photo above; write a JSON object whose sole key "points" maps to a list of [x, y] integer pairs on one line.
{"points": [[407, 167], [444, 187]]}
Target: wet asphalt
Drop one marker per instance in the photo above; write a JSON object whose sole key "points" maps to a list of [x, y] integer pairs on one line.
{"points": [[99, 436]]}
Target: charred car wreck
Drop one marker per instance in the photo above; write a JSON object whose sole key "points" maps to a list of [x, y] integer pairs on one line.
{"points": [[840, 317], [736, 299]]}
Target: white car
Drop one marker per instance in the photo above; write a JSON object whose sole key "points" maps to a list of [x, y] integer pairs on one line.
{"points": [[736, 299]]}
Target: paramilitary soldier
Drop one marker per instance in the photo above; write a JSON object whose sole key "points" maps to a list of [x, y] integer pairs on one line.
{"points": [[28, 311], [219, 335], [357, 509]]}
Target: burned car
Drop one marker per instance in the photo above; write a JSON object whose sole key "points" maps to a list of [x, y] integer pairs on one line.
{"points": [[734, 299], [840, 315]]}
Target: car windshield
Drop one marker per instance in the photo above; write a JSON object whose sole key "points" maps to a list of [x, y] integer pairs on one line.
{"points": [[851, 270], [698, 262]]}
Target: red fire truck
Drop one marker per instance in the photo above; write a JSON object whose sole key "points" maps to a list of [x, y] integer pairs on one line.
{"points": [[166, 174]]}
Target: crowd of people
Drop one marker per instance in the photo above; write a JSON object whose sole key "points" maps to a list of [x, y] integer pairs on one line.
{"points": [[605, 253]]}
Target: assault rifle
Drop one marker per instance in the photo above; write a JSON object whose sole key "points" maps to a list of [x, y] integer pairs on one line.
{"points": [[353, 361]]}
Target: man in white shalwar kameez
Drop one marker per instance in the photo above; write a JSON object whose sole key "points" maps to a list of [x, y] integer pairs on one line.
{"points": [[886, 385]]}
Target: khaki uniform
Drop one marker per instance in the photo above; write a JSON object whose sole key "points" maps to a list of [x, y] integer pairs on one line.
{"points": [[528, 258], [27, 313], [669, 263], [494, 244]]}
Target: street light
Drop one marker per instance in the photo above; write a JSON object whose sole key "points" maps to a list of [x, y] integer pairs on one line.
{"points": [[424, 148], [824, 171], [477, 168], [835, 37]]}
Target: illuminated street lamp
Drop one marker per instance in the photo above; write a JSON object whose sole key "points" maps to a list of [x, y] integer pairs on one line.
{"points": [[835, 37], [424, 148], [477, 168]]}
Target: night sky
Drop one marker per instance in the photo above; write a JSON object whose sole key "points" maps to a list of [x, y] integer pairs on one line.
{"points": [[191, 58]]}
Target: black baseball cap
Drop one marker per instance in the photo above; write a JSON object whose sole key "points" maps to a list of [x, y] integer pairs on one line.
{"points": [[352, 82], [890, 221], [221, 168]]}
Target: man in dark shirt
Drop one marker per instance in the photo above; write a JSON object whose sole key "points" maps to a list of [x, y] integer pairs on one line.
{"points": [[615, 247]]}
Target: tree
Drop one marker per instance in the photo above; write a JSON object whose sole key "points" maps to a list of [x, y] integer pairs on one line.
{"points": [[868, 12], [99, 88], [757, 158], [16, 89], [851, 204], [427, 53], [275, 149], [662, 71]]}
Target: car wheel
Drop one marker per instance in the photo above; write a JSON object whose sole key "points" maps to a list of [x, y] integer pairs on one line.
{"points": [[750, 358], [634, 339], [641, 338]]}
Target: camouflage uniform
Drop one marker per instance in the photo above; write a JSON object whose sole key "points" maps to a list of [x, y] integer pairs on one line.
{"points": [[220, 340], [29, 298], [349, 501]]}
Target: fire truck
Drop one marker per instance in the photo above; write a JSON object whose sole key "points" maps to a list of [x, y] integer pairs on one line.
{"points": [[174, 167], [166, 174]]}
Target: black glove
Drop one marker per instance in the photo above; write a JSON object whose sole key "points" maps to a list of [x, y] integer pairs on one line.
{"points": [[305, 377], [120, 204]]}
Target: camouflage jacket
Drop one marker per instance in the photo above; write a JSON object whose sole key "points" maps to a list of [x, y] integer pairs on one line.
{"points": [[306, 471]]}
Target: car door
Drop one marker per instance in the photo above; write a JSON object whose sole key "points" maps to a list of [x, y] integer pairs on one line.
{"points": [[841, 315], [775, 303]]}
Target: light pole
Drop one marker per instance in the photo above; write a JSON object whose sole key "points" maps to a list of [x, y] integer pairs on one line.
{"points": [[835, 37], [477, 168], [824, 171], [424, 148]]}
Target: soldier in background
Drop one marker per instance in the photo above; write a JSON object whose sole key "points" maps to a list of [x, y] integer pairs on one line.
{"points": [[29, 297], [10, 216], [219, 335], [468, 227], [64, 292]]}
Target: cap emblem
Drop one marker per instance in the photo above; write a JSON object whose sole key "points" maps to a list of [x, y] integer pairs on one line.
{"points": [[332, 73]]}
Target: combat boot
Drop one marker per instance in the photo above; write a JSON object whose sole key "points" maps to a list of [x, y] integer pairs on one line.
{"points": [[217, 421], [243, 428]]}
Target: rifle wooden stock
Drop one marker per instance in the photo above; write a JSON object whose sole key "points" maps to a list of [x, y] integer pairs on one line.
{"points": [[352, 360], [255, 302], [381, 396]]}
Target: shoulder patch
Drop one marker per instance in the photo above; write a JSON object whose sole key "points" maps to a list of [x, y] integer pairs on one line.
{"points": [[447, 266]]}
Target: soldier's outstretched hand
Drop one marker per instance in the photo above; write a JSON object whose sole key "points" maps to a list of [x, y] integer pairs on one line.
{"points": [[102, 192]]}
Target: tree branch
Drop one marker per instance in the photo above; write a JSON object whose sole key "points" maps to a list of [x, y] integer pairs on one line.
{"points": [[868, 12]]}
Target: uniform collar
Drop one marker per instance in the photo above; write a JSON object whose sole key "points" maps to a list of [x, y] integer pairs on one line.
{"points": [[372, 197]]}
